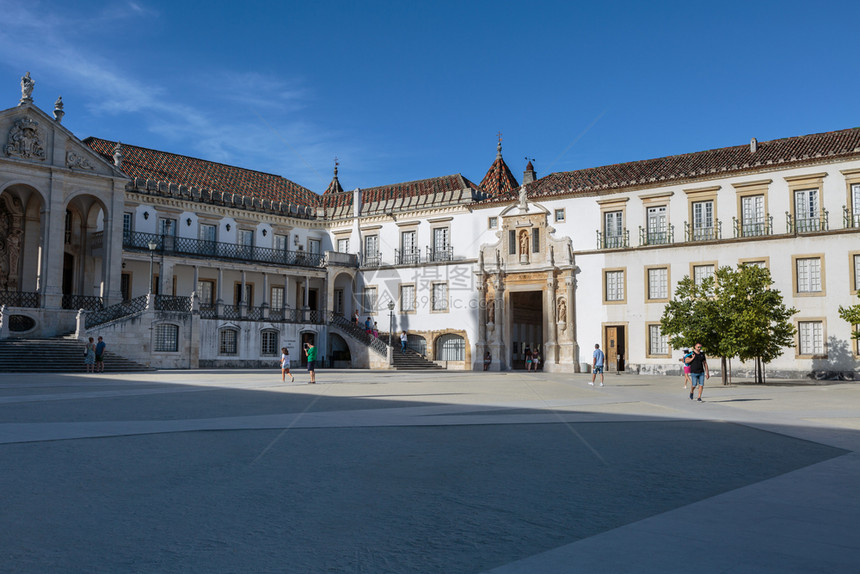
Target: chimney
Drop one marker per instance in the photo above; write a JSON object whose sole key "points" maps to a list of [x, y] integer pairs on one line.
{"points": [[753, 145], [529, 175]]}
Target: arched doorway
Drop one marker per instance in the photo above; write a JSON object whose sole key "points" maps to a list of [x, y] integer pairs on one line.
{"points": [[339, 356], [84, 276], [20, 239], [526, 325]]}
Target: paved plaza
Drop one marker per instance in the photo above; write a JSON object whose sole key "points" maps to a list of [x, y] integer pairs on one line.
{"points": [[393, 472]]}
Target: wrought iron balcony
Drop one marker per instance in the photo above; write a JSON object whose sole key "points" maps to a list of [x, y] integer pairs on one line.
{"points": [[651, 237], [440, 255], [20, 299], [748, 228], [169, 245], [407, 257], [613, 241], [849, 219], [702, 233], [86, 302], [807, 224], [371, 260]]}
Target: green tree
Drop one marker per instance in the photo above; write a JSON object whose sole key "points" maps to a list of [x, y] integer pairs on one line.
{"points": [[852, 315], [735, 313]]}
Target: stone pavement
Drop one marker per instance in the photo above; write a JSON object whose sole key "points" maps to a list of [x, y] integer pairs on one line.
{"points": [[233, 471]]}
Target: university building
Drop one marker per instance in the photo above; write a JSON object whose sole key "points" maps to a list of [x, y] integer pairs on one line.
{"points": [[180, 262]]}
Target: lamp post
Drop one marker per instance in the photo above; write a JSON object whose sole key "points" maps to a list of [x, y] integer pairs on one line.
{"points": [[152, 247], [390, 322]]}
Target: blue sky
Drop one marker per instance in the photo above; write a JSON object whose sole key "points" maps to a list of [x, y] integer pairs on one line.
{"points": [[400, 91]]}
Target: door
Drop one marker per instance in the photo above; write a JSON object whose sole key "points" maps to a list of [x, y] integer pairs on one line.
{"points": [[614, 348]]}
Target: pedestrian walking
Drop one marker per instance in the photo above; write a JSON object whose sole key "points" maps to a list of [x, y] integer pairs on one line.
{"points": [[683, 360], [90, 356], [285, 365], [403, 340], [375, 330], [528, 356], [368, 326], [698, 370], [597, 358], [311, 352], [355, 318], [536, 360], [100, 356]]}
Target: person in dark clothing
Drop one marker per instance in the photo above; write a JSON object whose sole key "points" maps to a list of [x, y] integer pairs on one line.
{"points": [[698, 370]]}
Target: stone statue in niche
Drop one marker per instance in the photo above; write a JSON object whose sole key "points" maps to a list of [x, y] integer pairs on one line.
{"points": [[562, 311], [24, 140], [524, 243], [491, 311]]}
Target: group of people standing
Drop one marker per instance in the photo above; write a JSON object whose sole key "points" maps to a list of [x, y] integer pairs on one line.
{"points": [[94, 356], [532, 359]]}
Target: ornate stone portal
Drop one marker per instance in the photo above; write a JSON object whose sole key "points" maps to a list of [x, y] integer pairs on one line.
{"points": [[522, 263]]}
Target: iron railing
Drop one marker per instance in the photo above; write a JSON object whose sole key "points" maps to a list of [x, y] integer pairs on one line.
{"points": [[114, 312], [702, 233], [651, 237], [169, 245], [807, 224], [371, 260], [407, 257], [613, 241], [173, 303], [20, 299], [753, 228], [850, 219], [86, 302], [440, 255], [377, 344]]}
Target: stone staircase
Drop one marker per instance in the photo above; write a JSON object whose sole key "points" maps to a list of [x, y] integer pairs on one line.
{"points": [[57, 355], [412, 361]]}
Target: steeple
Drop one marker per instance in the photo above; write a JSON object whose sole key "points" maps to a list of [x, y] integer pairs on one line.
{"points": [[334, 186], [499, 179]]}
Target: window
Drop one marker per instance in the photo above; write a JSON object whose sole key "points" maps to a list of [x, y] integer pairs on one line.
{"points": [[167, 226], [206, 292], [338, 301], [407, 298], [313, 245], [450, 348], [441, 251], [658, 283], [855, 205], [228, 342], [535, 240], [512, 242], [277, 298], [166, 338], [613, 229], [856, 258], [371, 246], [493, 223], [408, 251], [269, 342], [657, 226], [754, 263], [343, 245], [245, 240], [206, 232], [613, 285], [439, 295], [559, 215], [752, 216], [810, 337], [658, 343], [808, 275], [369, 299], [703, 221], [127, 225], [702, 272], [806, 210], [280, 242]]}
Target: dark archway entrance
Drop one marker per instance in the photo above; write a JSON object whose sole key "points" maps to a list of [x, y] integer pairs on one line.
{"points": [[339, 357], [526, 325]]}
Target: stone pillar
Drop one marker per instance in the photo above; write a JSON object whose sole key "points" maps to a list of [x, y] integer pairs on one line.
{"points": [[165, 278], [264, 305], [481, 346], [196, 280], [219, 298], [501, 355], [550, 356], [243, 304], [568, 355], [51, 271]]}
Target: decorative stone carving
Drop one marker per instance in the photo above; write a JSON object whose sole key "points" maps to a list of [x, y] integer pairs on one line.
{"points": [[74, 160], [562, 311], [25, 141], [27, 85], [58, 110], [522, 196]]}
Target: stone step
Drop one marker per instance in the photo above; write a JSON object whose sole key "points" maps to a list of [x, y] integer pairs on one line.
{"points": [[58, 355]]}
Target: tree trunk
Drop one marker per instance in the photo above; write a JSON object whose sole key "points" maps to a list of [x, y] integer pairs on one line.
{"points": [[724, 370]]}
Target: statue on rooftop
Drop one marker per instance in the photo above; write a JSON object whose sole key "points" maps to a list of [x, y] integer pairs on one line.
{"points": [[27, 85]]}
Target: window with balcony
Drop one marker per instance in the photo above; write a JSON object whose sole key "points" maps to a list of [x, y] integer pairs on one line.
{"points": [[854, 218], [280, 242], [753, 221], [613, 230], [167, 226], [343, 245], [806, 210], [808, 276], [441, 246], [408, 250], [314, 246], [369, 302], [657, 225], [127, 225], [703, 227]]}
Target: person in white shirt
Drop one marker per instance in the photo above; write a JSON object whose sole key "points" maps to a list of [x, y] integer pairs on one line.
{"points": [[403, 340], [285, 365]]}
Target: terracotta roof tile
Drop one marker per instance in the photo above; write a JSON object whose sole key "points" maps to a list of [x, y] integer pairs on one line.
{"points": [[499, 179]]}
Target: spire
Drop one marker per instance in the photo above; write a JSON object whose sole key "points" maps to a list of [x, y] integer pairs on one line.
{"points": [[499, 179], [334, 186]]}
